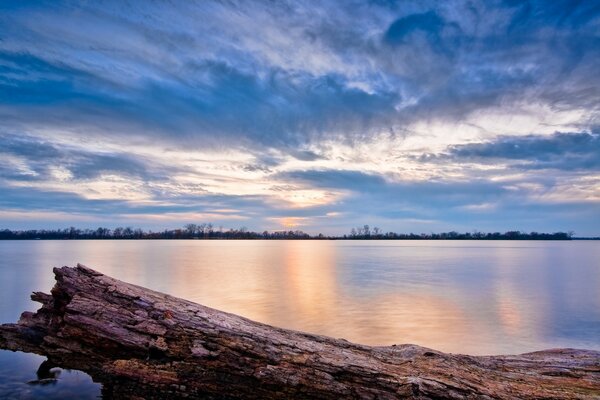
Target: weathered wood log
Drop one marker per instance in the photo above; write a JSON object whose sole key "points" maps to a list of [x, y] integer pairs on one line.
{"points": [[143, 344]]}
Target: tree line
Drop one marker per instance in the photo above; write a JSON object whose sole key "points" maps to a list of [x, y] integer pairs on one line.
{"points": [[208, 231], [190, 231], [365, 233]]}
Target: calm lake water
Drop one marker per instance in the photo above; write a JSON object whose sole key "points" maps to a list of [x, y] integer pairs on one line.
{"points": [[470, 297]]}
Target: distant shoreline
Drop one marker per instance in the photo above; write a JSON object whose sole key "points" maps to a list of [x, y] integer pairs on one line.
{"points": [[208, 232], [313, 238]]}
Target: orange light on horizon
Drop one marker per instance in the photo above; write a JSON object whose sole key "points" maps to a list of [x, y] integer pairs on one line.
{"points": [[290, 222]]}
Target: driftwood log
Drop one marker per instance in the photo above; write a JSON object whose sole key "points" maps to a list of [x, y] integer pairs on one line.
{"points": [[143, 344]]}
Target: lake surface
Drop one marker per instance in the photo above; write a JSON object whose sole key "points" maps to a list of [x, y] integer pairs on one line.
{"points": [[475, 297]]}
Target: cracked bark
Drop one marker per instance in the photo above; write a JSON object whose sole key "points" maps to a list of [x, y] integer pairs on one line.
{"points": [[143, 344]]}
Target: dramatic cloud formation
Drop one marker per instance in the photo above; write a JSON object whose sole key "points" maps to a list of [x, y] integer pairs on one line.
{"points": [[413, 116]]}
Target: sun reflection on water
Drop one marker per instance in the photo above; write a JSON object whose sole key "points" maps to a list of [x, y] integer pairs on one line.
{"points": [[477, 298]]}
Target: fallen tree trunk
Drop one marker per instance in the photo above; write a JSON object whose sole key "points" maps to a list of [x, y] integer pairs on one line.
{"points": [[141, 343]]}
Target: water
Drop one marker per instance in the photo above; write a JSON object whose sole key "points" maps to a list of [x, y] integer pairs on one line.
{"points": [[456, 296]]}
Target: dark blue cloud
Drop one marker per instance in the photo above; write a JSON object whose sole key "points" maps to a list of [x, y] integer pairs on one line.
{"points": [[568, 151], [35, 200], [449, 192], [28, 80], [494, 55], [41, 157], [357, 180], [429, 22], [529, 15], [279, 110], [32, 199]]}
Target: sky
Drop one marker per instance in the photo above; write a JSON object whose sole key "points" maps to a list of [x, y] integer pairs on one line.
{"points": [[412, 116]]}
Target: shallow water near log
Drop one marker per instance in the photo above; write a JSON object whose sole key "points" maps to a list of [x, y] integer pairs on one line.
{"points": [[483, 297]]}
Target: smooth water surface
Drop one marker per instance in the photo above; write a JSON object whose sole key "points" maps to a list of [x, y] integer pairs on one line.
{"points": [[475, 297]]}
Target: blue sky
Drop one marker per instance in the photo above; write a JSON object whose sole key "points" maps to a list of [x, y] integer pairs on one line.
{"points": [[411, 116]]}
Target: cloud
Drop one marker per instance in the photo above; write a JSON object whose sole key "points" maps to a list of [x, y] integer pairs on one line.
{"points": [[429, 22], [566, 151], [203, 77], [306, 155], [42, 158], [279, 110], [373, 195], [347, 179]]}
